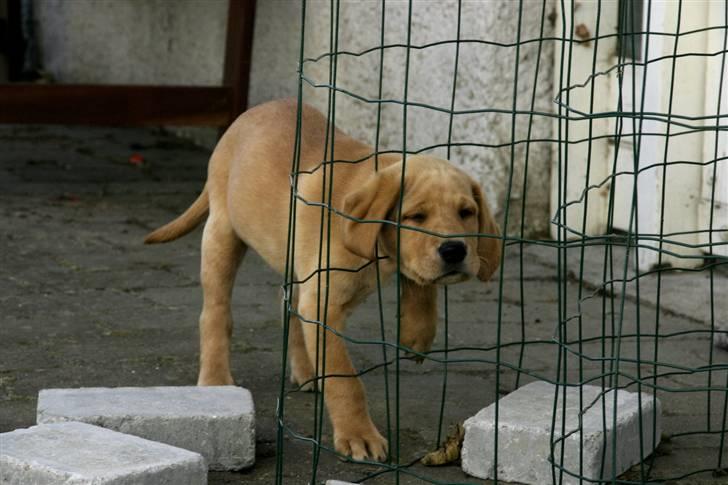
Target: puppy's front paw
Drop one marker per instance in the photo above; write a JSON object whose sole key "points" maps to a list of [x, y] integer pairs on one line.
{"points": [[420, 342], [361, 442]]}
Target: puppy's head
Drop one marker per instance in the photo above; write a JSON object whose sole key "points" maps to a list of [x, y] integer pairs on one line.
{"points": [[438, 198]]}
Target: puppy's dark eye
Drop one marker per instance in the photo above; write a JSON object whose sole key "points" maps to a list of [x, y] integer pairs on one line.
{"points": [[417, 217], [465, 213]]}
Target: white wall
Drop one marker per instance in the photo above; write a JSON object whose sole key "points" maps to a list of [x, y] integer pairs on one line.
{"points": [[148, 41], [485, 80], [135, 42]]}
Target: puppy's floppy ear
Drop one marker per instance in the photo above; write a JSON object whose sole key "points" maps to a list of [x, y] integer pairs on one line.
{"points": [[489, 248], [372, 201]]}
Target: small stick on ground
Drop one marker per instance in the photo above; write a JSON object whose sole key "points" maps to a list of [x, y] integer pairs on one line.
{"points": [[449, 452]]}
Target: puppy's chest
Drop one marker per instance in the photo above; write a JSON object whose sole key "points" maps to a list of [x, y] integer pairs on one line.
{"points": [[365, 282]]}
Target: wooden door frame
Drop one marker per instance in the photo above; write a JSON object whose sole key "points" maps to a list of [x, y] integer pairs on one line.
{"points": [[28, 103]]}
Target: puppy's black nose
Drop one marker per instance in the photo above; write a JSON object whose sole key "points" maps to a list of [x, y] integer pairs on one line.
{"points": [[452, 251]]}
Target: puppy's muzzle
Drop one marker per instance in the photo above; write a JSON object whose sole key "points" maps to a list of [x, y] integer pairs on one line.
{"points": [[453, 252]]}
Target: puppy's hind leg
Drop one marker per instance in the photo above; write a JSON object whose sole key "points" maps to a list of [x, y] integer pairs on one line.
{"points": [[222, 252]]}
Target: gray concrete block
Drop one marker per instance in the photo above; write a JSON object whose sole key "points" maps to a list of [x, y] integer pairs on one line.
{"points": [[217, 422], [78, 453], [524, 434]]}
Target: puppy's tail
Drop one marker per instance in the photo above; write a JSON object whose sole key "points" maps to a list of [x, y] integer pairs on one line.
{"points": [[190, 219]]}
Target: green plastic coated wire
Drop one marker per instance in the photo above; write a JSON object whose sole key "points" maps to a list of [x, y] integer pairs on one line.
{"points": [[623, 348]]}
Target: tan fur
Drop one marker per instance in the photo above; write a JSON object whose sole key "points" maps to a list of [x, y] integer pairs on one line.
{"points": [[247, 193], [185, 223]]}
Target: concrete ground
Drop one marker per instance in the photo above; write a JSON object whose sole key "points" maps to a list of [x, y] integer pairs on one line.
{"points": [[84, 303]]}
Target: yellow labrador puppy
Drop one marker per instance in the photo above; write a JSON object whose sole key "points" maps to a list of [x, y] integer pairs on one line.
{"points": [[246, 202]]}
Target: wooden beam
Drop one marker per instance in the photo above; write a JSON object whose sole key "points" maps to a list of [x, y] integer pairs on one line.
{"points": [[115, 105], [238, 50]]}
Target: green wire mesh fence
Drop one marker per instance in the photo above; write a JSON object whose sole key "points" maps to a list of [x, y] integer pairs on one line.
{"points": [[632, 125]]}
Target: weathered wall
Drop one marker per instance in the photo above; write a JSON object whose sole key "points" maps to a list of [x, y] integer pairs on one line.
{"points": [[486, 79], [143, 41], [135, 42]]}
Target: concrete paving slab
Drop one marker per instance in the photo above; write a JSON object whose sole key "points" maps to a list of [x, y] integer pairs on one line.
{"points": [[524, 434], [78, 453], [218, 421]]}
